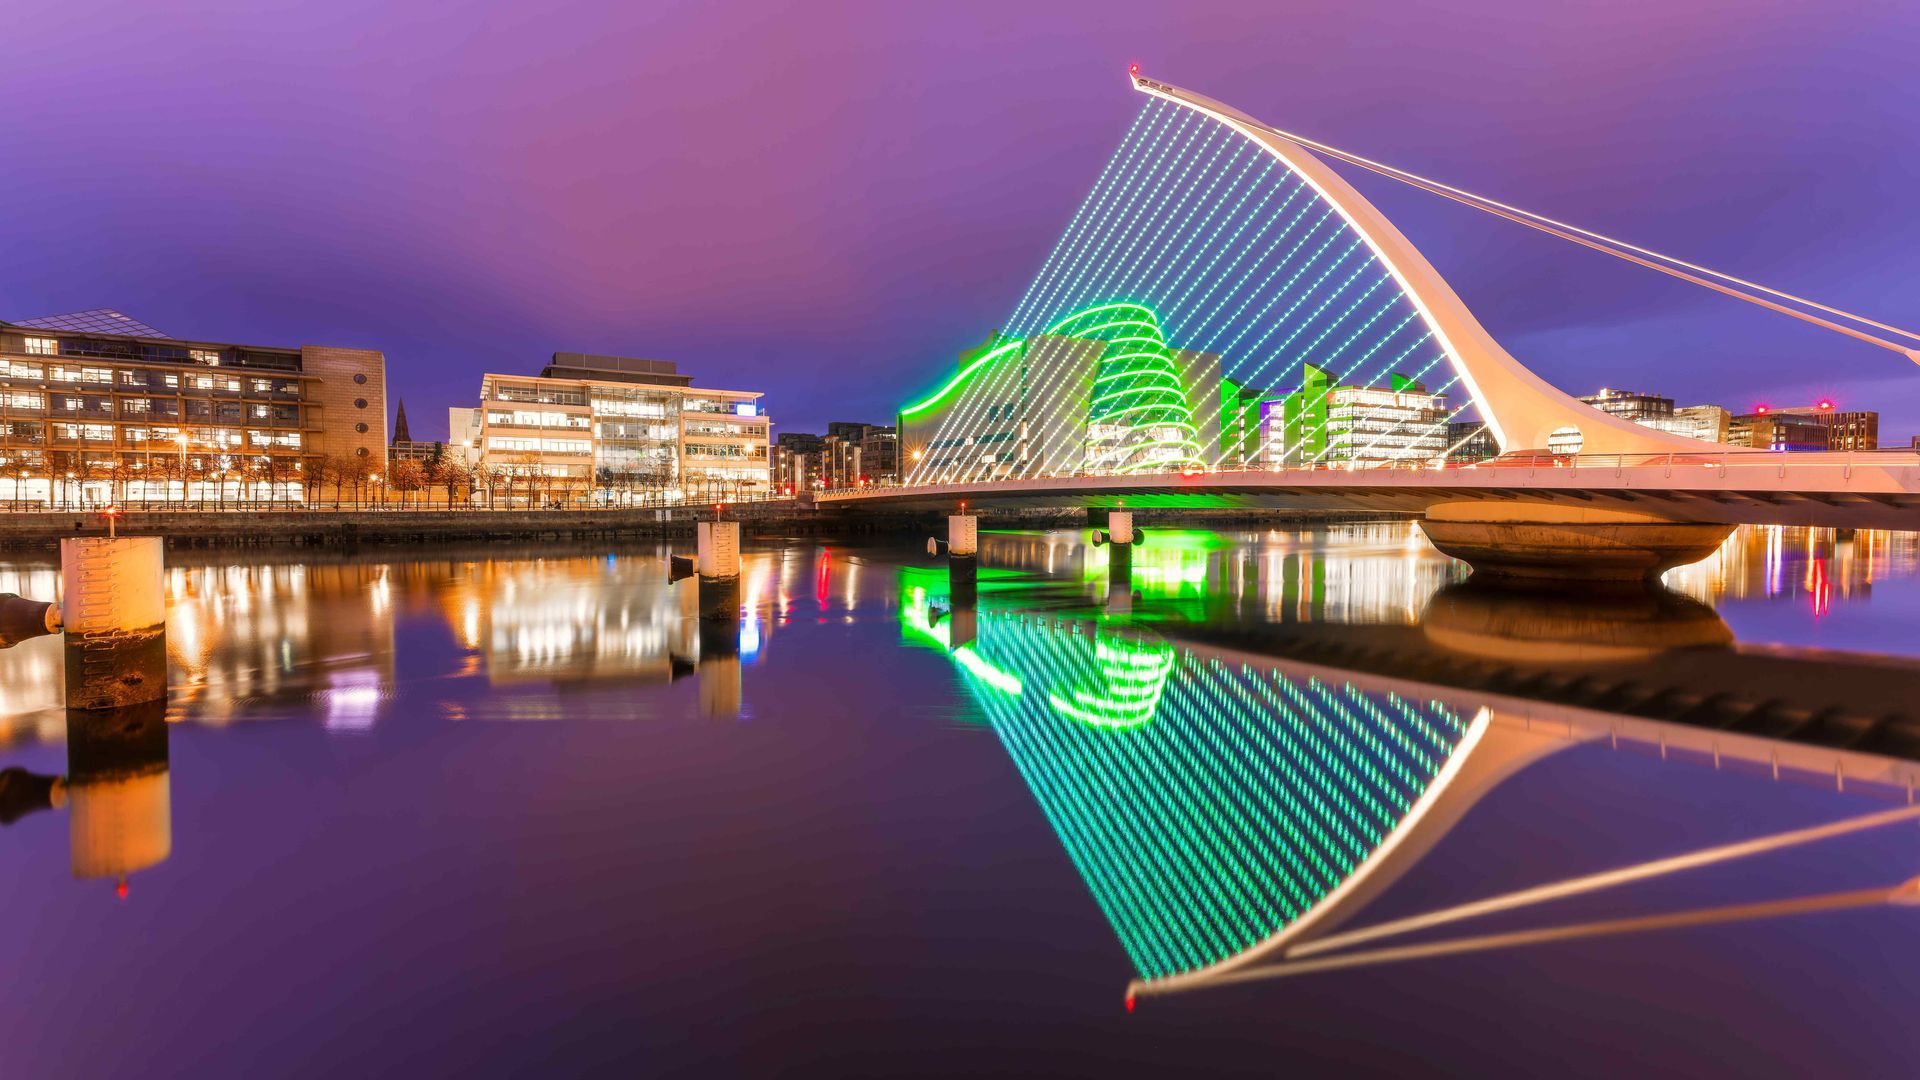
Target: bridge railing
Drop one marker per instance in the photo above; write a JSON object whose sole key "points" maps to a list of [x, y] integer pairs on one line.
{"points": [[1729, 458]]}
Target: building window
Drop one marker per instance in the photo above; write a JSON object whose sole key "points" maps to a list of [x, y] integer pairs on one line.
{"points": [[42, 346], [360, 377], [359, 403], [361, 452], [361, 428], [209, 357]]}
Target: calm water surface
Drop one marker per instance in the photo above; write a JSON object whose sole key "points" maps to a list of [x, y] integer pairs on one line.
{"points": [[506, 812]]}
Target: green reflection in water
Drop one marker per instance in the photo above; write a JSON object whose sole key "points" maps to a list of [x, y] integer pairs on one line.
{"points": [[1206, 802]]}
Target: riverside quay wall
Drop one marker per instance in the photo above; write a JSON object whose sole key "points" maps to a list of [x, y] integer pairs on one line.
{"points": [[38, 530]]}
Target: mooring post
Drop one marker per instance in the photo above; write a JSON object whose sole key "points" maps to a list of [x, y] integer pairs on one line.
{"points": [[718, 565], [963, 563], [1119, 555], [114, 607], [118, 788]]}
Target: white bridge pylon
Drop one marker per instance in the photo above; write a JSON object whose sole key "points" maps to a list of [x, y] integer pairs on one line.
{"points": [[1521, 408]]}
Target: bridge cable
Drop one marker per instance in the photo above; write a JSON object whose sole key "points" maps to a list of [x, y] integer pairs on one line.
{"points": [[1621, 249]]}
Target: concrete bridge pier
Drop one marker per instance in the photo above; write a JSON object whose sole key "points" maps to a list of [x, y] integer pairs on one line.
{"points": [[1537, 543], [114, 609], [963, 560]]}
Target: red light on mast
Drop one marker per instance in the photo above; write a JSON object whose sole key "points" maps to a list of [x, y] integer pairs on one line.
{"points": [[1825, 404], [1133, 68]]}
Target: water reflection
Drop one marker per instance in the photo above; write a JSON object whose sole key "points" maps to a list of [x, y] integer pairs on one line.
{"points": [[117, 792], [1231, 807]]}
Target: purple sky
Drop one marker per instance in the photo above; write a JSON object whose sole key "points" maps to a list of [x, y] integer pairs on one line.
{"points": [[826, 201]]}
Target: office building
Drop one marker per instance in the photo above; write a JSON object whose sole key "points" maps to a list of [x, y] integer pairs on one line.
{"points": [[1708, 423], [1321, 422], [1820, 426], [616, 429], [1058, 404], [796, 462], [1764, 429], [98, 408], [1470, 440], [880, 455]]}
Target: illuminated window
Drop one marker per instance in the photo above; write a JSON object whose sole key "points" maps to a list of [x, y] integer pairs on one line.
{"points": [[209, 357], [43, 346]]}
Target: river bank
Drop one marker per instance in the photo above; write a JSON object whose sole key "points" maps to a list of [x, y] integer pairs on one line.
{"points": [[42, 530]]}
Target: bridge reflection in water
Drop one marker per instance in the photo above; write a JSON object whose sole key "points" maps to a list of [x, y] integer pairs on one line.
{"points": [[1235, 798]]}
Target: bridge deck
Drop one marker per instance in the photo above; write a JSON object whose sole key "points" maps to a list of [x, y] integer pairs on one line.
{"points": [[1868, 489]]}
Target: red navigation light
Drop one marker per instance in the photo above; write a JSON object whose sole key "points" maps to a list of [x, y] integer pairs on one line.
{"points": [[1825, 404], [1759, 408], [120, 890], [1129, 1002], [1133, 69]]}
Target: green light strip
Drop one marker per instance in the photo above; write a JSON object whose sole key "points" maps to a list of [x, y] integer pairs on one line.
{"points": [[954, 384], [1205, 806]]}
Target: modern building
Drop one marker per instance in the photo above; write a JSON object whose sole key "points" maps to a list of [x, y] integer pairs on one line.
{"points": [[796, 462], [1470, 440], [840, 461], [616, 429], [1708, 423], [1321, 422], [1820, 426], [1765, 429], [880, 455], [98, 408], [1101, 393]]}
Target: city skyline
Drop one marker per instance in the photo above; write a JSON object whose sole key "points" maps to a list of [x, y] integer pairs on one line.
{"points": [[526, 187]]}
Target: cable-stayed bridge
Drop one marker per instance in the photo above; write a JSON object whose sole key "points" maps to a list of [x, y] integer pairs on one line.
{"points": [[1226, 321]]}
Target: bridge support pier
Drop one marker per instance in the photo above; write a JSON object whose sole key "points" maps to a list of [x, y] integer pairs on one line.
{"points": [[1548, 544], [963, 560]]}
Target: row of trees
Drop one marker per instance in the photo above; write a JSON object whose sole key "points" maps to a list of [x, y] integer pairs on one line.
{"points": [[342, 481]]}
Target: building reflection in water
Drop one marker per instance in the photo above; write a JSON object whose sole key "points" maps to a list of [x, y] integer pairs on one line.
{"points": [[1817, 567], [1375, 572], [575, 622], [316, 634], [1233, 810]]}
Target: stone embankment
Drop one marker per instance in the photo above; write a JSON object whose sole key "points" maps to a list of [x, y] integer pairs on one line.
{"points": [[42, 530]]}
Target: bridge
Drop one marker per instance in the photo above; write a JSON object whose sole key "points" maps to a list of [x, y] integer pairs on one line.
{"points": [[1226, 321], [1236, 796]]}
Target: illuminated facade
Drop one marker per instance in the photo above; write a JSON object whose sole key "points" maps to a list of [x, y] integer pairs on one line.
{"points": [[1119, 399], [616, 429], [1363, 425], [90, 417], [1794, 430]]}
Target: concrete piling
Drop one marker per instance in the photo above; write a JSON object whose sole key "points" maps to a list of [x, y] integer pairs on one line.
{"points": [[718, 564], [114, 609], [119, 790], [963, 539]]}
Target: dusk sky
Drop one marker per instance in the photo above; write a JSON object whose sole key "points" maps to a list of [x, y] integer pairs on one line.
{"points": [[827, 201]]}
